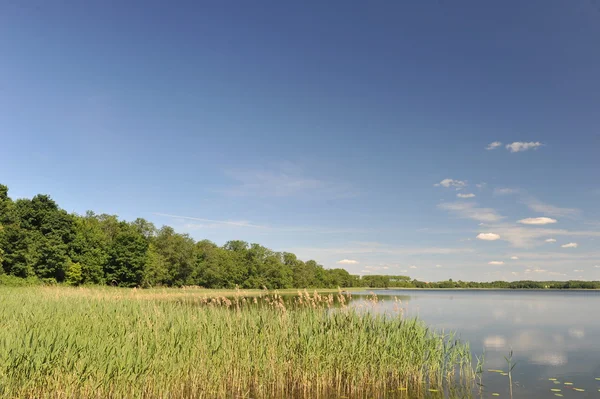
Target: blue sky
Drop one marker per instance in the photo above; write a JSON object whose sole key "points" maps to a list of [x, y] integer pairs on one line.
{"points": [[341, 131]]}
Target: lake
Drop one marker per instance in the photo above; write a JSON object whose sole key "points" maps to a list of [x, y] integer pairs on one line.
{"points": [[553, 334]]}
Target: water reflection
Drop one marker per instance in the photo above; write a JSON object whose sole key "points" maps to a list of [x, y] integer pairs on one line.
{"points": [[552, 333]]}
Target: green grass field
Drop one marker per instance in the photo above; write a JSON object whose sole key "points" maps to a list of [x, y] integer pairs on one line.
{"points": [[59, 342]]}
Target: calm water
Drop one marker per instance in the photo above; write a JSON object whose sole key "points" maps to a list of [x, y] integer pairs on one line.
{"points": [[553, 334]]}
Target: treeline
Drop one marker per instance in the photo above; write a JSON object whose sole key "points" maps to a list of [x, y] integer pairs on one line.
{"points": [[405, 282], [40, 240], [522, 284]]}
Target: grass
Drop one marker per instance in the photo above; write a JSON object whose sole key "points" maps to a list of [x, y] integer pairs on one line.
{"points": [[59, 342]]}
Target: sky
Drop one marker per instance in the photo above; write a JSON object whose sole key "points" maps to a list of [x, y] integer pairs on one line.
{"points": [[436, 139]]}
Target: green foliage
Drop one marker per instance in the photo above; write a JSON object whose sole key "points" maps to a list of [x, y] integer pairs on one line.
{"points": [[74, 274], [14, 281], [385, 281], [90, 246], [156, 269], [126, 258]]}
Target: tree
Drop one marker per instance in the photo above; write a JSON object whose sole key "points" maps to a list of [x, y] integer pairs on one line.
{"points": [[127, 258], [90, 247], [177, 253], [74, 274], [156, 271], [35, 237]]}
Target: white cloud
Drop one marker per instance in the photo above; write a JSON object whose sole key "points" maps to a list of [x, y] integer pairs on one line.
{"points": [[522, 236], [540, 220], [481, 185], [347, 262], [493, 146], [550, 240], [578, 270], [469, 210], [538, 206], [597, 266], [505, 191], [470, 195], [438, 266], [494, 342], [413, 267], [366, 271], [452, 183], [488, 236], [514, 257], [496, 262], [518, 146], [570, 245], [577, 332]]}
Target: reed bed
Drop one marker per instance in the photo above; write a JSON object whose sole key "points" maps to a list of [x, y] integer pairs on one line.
{"points": [[58, 342]]}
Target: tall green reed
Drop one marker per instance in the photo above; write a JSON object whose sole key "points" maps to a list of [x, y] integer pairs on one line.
{"points": [[86, 343]]}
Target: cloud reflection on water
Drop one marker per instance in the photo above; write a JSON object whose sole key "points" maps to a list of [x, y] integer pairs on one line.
{"points": [[551, 333]]}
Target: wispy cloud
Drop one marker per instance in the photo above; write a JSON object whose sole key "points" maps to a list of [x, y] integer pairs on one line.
{"points": [[570, 245], [347, 262], [536, 270], [538, 206], [493, 146], [284, 180], [505, 191], [514, 257], [469, 195], [550, 240], [212, 223], [519, 146], [469, 210], [538, 221], [488, 236], [373, 251], [496, 262], [458, 184]]}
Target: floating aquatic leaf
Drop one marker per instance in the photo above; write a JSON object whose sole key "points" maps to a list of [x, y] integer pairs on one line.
{"points": [[433, 390], [504, 373], [555, 390], [497, 394], [579, 389], [597, 378], [558, 394], [568, 383], [556, 382], [495, 371], [551, 379]]}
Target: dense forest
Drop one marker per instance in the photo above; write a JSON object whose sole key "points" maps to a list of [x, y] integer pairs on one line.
{"points": [[41, 241]]}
